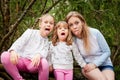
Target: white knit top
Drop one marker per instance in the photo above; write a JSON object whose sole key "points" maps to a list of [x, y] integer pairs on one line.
{"points": [[61, 56], [31, 43]]}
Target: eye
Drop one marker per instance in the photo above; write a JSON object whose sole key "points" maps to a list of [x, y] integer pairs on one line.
{"points": [[76, 22], [46, 22], [70, 25], [59, 28], [51, 23], [65, 28]]}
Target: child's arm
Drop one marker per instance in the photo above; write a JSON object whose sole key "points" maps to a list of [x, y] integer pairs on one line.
{"points": [[78, 56], [49, 59], [19, 43], [14, 57]]}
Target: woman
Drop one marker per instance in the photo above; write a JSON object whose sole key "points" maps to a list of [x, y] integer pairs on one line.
{"points": [[93, 47]]}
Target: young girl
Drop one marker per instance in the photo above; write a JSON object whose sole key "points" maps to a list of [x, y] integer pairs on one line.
{"points": [[61, 52], [93, 48], [28, 53]]}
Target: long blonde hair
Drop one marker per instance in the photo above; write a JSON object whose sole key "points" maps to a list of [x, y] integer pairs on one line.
{"points": [[55, 36], [85, 30]]}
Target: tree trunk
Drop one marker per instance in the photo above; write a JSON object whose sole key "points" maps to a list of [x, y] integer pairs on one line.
{"points": [[14, 26]]}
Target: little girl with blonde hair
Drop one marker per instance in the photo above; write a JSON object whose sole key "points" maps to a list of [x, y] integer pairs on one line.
{"points": [[61, 50]]}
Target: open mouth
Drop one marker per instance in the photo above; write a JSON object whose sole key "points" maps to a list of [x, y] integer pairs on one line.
{"points": [[62, 33], [47, 29]]}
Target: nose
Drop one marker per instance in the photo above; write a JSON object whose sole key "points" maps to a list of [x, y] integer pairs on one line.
{"points": [[48, 24], [74, 26], [62, 29]]}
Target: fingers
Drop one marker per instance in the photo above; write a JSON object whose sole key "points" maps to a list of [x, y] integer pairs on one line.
{"points": [[89, 67], [50, 68], [14, 58], [36, 60]]}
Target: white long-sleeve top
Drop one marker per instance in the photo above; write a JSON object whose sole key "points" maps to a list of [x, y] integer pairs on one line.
{"points": [[30, 44], [99, 53], [60, 56]]}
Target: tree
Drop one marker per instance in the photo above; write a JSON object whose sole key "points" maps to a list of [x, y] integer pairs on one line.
{"points": [[18, 15]]}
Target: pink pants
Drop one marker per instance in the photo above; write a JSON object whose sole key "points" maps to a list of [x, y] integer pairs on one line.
{"points": [[61, 74], [24, 65]]}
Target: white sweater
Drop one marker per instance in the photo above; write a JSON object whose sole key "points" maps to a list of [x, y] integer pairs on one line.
{"points": [[30, 44], [60, 56], [99, 53]]}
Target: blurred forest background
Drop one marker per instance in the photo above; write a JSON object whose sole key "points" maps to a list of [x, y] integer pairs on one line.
{"points": [[18, 15]]}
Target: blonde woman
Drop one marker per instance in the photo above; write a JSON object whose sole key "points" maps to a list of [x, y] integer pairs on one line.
{"points": [[93, 47]]}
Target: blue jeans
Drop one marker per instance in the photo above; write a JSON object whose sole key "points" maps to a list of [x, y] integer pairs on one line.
{"points": [[106, 67]]}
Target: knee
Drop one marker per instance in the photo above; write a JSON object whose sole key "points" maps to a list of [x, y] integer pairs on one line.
{"points": [[5, 57], [100, 78], [44, 64]]}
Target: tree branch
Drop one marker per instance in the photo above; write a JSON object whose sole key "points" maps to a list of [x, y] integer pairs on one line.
{"points": [[44, 6], [52, 6], [5, 76], [36, 21], [116, 53], [1, 10], [16, 24]]}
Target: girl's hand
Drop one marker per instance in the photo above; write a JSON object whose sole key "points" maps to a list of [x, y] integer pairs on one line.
{"points": [[36, 60], [89, 67], [51, 68], [14, 57]]}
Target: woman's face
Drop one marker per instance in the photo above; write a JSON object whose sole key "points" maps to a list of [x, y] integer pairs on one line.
{"points": [[75, 25]]}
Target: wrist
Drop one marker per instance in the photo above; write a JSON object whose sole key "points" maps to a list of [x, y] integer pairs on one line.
{"points": [[94, 65], [11, 51], [38, 55]]}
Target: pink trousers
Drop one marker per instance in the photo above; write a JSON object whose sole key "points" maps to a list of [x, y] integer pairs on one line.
{"points": [[24, 65], [61, 74]]}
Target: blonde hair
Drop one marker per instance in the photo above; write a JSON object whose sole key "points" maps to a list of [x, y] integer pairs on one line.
{"points": [[85, 30], [38, 20], [55, 36], [43, 16]]}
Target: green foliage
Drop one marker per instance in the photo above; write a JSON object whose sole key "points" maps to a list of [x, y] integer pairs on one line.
{"points": [[117, 71], [101, 14]]}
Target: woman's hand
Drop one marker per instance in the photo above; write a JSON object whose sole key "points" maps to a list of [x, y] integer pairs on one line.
{"points": [[36, 60], [89, 67], [14, 57]]}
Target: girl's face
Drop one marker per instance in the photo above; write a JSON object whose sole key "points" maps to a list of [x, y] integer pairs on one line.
{"points": [[62, 32], [75, 25], [46, 25]]}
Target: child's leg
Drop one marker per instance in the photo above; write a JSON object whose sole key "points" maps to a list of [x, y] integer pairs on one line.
{"points": [[9, 67], [69, 75], [59, 75], [43, 69]]}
